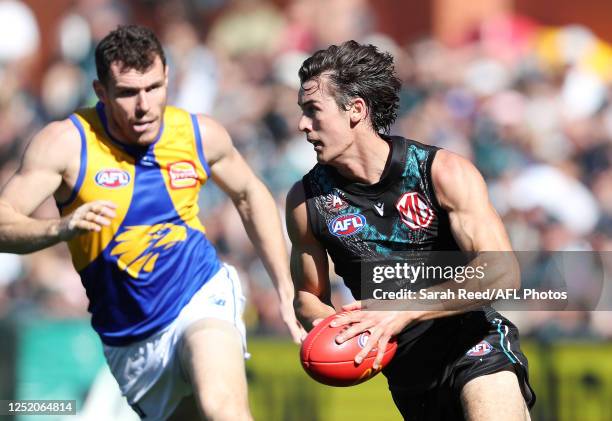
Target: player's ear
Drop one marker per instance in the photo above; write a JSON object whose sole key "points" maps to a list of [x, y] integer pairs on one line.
{"points": [[358, 110], [100, 90]]}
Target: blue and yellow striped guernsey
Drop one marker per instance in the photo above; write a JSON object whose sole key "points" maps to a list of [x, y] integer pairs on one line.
{"points": [[140, 271]]}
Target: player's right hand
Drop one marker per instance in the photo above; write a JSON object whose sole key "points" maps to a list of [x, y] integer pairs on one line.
{"points": [[89, 217]]}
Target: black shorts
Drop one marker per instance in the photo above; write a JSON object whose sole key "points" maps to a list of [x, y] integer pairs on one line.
{"points": [[428, 372]]}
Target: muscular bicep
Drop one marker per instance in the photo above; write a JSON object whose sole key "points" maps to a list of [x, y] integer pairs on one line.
{"points": [[309, 263], [461, 190], [44, 163]]}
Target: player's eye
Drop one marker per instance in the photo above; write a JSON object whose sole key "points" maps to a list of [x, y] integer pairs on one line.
{"points": [[310, 111], [126, 93]]}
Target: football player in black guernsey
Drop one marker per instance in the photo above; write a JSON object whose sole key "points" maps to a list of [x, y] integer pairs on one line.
{"points": [[372, 194]]}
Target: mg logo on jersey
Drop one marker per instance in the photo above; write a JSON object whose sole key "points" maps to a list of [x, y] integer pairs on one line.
{"points": [[345, 225], [182, 174], [414, 211], [480, 349], [112, 178]]}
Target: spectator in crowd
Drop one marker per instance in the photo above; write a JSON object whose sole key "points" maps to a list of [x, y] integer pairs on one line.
{"points": [[533, 110]]}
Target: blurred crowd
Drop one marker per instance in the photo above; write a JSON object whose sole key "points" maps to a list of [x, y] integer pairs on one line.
{"points": [[530, 105]]}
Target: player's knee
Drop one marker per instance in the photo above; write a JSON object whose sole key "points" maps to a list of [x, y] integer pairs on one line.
{"points": [[482, 397]]}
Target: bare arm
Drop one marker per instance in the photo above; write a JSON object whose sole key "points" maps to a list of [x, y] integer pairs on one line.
{"points": [[476, 226], [309, 264], [257, 210], [46, 161], [461, 190]]}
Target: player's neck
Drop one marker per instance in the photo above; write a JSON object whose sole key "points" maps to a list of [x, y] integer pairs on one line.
{"points": [[120, 137], [365, 160], [114, 131]]}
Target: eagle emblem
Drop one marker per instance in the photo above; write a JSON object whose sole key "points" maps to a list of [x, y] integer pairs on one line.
{"points": [[138, 247]]}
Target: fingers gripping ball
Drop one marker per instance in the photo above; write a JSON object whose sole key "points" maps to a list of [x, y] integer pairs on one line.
{"points": [[333, 364]]}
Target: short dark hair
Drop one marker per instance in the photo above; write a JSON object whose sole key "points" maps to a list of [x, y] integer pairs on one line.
{"points": [[134, 46], [357, 70]]}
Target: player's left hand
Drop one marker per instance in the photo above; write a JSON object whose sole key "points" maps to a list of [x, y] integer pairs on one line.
{"points": [[298, 333], [381, 324]]}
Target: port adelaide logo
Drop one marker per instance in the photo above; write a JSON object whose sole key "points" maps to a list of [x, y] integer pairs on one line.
{"points": [[345, 225], [112, 178], [334, 203]]}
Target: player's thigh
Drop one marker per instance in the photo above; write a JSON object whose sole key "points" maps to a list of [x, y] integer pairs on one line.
{"points": [[212, 355], [494, 396]]}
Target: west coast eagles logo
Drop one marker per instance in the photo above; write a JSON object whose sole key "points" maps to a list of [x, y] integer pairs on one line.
{"points": [[138, 247]]}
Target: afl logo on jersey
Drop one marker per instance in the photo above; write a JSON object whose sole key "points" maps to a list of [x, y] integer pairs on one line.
{"points": [[183, 175], [414, 211], [112, 178], [346, 225], [480, 349]]}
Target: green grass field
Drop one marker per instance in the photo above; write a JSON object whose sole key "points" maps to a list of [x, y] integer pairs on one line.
{"points": [[573, 382], [58, 360], [280, 390]]}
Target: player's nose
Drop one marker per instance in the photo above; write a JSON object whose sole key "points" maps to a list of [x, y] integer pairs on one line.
{"points": [[305, 124], [143, 102]]}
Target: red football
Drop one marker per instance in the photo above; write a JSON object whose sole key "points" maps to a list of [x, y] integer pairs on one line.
{"points": [[333, 364]]}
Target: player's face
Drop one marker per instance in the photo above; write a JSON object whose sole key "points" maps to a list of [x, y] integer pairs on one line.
{"points": [[326, 126], [135, 101]]}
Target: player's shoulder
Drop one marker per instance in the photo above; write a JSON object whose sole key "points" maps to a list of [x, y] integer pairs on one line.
{"points": [[302, 189], [209, 126], [59, 132], [55, 144], [297, 213], [215, 138], [296, 195], [320, 177], [453, 176], [450, 168]]}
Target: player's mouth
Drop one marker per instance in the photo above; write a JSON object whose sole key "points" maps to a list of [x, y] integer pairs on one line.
{"points": [[318, 145], [142, 126]]}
